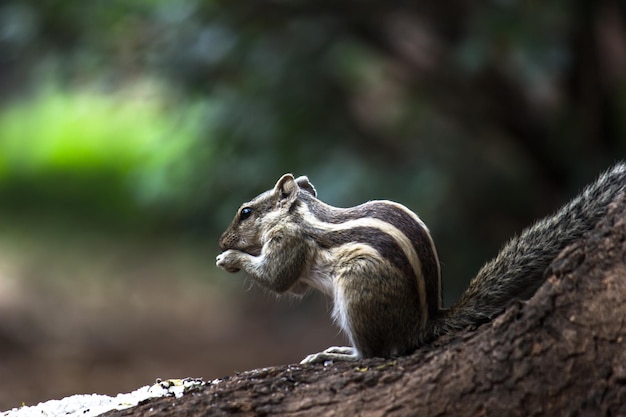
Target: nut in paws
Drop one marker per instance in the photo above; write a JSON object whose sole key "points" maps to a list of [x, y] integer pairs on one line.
{"points": [[228, 261]]}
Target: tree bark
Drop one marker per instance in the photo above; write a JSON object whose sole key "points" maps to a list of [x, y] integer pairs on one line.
{"points": [[563, 352]]}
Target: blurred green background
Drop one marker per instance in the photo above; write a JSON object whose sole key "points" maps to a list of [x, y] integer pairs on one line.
{"points": [[130, 131]]}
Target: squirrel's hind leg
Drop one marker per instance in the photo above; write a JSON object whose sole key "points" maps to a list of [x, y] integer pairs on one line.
{"points": [[333, 353]]}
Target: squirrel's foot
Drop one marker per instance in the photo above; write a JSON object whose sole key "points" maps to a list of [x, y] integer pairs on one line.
{"points": [[333, 353]]}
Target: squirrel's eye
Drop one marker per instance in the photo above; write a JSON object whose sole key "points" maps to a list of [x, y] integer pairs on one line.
{"points": [[245, 213]]}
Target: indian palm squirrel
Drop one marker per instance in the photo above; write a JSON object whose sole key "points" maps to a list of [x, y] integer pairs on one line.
{"points": [[378, 262]]}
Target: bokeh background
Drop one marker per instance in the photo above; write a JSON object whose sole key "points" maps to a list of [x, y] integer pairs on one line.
{"points": [[130, 131]]}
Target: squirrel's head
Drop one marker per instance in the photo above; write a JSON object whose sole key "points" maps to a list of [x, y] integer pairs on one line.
{"points": [[268, 209]]}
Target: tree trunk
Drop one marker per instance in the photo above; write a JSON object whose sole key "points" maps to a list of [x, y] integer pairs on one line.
{"points": [[561, 353]]}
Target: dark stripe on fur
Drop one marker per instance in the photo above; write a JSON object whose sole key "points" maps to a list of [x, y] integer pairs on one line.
{"points": [[382, 242], [397, 218]]}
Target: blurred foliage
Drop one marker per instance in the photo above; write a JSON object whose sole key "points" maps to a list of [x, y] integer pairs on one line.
{"points": [[106, 156], [480, 116]]}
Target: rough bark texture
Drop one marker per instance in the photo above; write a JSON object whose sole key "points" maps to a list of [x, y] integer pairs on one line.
{"points": [[561, 353]]}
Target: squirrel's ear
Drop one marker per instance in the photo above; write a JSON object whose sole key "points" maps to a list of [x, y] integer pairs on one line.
{"points": [[286, 188], [303, 183]]}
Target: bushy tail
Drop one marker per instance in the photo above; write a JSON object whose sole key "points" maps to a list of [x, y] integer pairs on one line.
{"points": [[520, 265]]}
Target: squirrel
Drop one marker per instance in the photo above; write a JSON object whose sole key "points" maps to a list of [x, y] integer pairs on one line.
{"points": [[378, 262]]}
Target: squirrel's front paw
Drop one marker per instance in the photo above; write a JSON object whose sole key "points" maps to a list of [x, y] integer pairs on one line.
{"points": [[228, 261]]}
